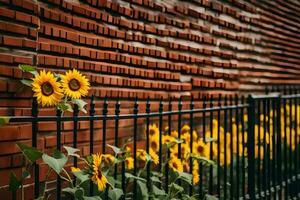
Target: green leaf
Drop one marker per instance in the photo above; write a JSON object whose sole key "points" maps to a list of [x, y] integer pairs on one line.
{"points": [[143, 191], [81, 104], [158, 192], [31, 153], [174, 188], [92, 198], [210, 197], [129, 176], [64, 107], [28, 68], [81, 176], [186, 177], [14, 183], [69, 190], [115, 149], [155, 179], [57, 162], [4, 120], [115, 194], [71, 151], [202, 159], [79, 193], [27, 82]]}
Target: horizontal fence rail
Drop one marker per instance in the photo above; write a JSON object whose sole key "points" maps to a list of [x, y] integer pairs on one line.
{"points": [[253, 143]]}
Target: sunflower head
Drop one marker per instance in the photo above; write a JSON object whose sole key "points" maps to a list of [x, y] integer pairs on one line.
{"points": [[74, 84], [97, 176], [175, 164], [129, 163], [141, 154], [154, 157], [75, 169], [154, 144], [46, 89], [168, 140], [108, 159]]}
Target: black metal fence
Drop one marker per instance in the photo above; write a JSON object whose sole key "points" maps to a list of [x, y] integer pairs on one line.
{"points": [[256, 151]]}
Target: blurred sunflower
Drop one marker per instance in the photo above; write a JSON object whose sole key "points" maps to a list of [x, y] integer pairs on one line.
{"points": [[154, 144], [168, 140], [98, 178], [141, 154], [195, 172], [46, 89], [129, 163], [74, 84], [153, 131], [175, 164], [201, 149], [185, 129], [108, 159], [154, 156]]}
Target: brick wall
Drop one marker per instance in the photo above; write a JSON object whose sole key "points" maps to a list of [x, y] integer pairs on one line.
{"points": [[141, 48]]}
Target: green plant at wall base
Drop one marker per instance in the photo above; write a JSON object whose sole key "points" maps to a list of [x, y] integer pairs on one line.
{"points": [[98, 168]]}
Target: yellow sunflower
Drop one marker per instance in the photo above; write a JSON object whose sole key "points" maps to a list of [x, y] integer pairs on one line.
{"points": [[185, 129], [175, 164], [153, 130], [74, 84], [108, 158], [154, 156], [168, 140], [201, 149], [98, 178], [154, 144], [195, 172], [129, 163], [141, 154], [46, 89]]}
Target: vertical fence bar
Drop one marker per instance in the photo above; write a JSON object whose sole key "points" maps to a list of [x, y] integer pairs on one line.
{"points": [[243, 150], [104, 112], [58, 147], [210, 186], [160, 110], [290, 161], [204, 139], [258, 147], [179, 126], [296, 145], [219, 148], [92, 113], [285, 150], [135, 112], [117, 113], [225, 147], [168, 153], [147, 140], [34, 114], [191, 140], [250, 148], [237, 147], [75, 129], [269, 178], [274, 153], [278, 149], [264, 174], [231, 148]]}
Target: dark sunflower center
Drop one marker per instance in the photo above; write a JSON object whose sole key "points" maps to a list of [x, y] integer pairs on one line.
{"points": [[200, 149], [151, 132], [47, 89], [153, 145], [99, 174], [74, 84], [175, 165]]}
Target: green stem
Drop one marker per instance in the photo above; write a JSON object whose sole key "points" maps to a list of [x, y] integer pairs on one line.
{"points": [[70, 180]]}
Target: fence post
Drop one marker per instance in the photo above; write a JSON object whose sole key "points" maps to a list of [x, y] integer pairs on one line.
{"points": [[34, 113], [250, 147], [278, 145]]}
